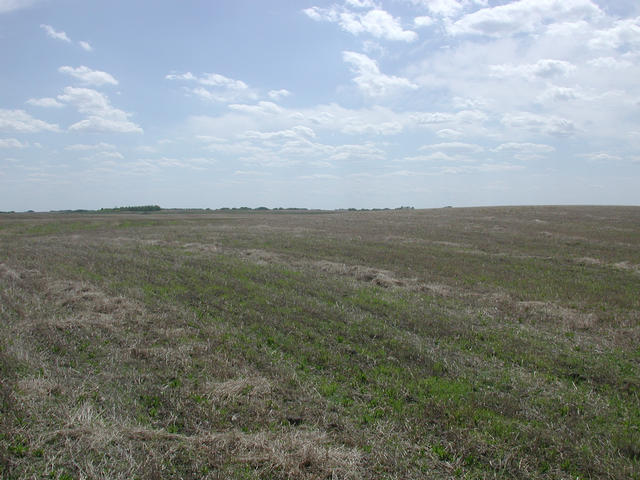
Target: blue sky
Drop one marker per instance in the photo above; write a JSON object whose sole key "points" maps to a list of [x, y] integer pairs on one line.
{"points": [[354, 103]]}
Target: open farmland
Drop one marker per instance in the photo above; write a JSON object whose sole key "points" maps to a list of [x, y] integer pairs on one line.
{"points": [[448, 343]]}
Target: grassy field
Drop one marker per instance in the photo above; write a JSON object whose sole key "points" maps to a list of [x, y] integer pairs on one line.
{"points": [[449, 343]]}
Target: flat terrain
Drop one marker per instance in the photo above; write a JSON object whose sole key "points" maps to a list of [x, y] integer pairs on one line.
{"points": [[448, 343]]}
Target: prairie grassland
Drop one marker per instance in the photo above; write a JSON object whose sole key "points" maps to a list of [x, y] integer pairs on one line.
{"points": [[449, 343]]}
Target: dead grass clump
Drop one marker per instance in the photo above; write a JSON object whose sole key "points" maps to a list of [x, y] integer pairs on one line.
{"points": [[262, 257], [589, 261], [9, 274], [200, 247], [254, 386], [624, 265], [301, 454], [438, 289], [382, 278], [167, 356], [83, 297], [567, 318], [38, 387], [295, 454], [627, 266]]}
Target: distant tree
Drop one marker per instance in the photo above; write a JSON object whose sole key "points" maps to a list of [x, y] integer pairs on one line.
{"points": [[136, 208]]}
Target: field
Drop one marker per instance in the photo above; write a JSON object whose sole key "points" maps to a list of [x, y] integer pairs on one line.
{"points": [[447, 343]]}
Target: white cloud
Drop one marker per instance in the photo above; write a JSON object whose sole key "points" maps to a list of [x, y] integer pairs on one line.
{"points": [[449, 133], [601, 157], [524, 147], [549, 125], [456, 146], [377, 120], [482, 168], [7, 6], [376, 22], [146, 149], [435, 157], [84, 147], [220, 88], [88, 76], [251, 173], [105, 155], [423, 21], [86, 46], [369, 78], [12, 143], [610, 63], [625, 34], [102, 124], [262, 108], [44, 102], [379, 24], [444, 8], [544, 68], [295, 132], [560, 94], [102, 116], [321, 14], [525, 151], [21, 121], [50, 31], [435, 118], [361, 3], [319, 176], [278, 94], [523, 16]]}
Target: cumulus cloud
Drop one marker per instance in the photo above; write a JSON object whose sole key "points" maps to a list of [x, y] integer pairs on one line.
{"points": [[86, 46], [376, 120], [12, 143], [481, 168], [444, 8], [45, 102], [449, 133], [427, 119], [262, 108], [369, 78], [601, 157], [20, 121], [85, 147], [525, 151], [548, 125], [278, 94], [88, 76], [610, 63], [361, 3], [523, 16], [52, 33], [524, 147], [423, 21], [218, 87], [435, 157], [555, 93], [544, 68], [101, 115], [104, 155], [454, 146], [624, 34], [7, 6], [376, 22], [298, 131]]}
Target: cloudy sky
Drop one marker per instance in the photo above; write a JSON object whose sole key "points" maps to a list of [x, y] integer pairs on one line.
{"points": [[352, 103]]}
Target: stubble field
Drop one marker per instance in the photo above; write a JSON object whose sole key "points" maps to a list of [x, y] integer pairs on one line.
{"points": [[448, 343]]}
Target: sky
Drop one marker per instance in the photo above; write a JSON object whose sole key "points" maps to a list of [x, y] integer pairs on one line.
{"points": [[316, 104]]}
